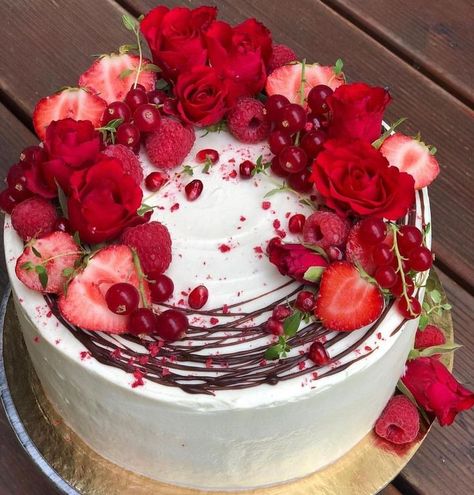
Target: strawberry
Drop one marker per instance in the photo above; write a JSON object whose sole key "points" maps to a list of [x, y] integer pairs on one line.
{"points": [[286, 80], [111, 76], [41, 265], [412, 156], [346, 301], [109, 266], [429, 337], [76, 103]]}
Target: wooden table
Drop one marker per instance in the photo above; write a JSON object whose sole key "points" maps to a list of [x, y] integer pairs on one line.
{"points": [[422, 50]]}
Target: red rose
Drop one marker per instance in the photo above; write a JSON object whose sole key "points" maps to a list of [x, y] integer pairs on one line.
{"points": [[201, 96], [43, 177], [175, 37], [240, 55], [354, 177], [294, 259], [356, 111], [104, 201], [436, 390]]}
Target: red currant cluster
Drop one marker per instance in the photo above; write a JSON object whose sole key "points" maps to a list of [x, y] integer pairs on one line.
{"points": [[139, 115], [297, 136], [398, 260]]}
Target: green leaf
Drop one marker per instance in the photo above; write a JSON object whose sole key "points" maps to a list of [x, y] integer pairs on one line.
{"points": [[62, 200], [432, 149], [68, 271], [273, 352], [378, 142], [151, 68], [127, 48], [125, 73], [129, 22], [187, 169], [446, 307], [42, 275], [277, 190], [423, 322], [438, 349], [404, 390], [162, 84], [144, 208], [430, 285], [307, 202], [292, 323], [313, 274], [317, 249], [28, 265], [338, 66], [77, 238], [141, 17], [36, 252], [435, 296]]}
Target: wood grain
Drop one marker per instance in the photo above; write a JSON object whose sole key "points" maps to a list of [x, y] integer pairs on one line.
{"points": [[437, 38], [315, 31]]}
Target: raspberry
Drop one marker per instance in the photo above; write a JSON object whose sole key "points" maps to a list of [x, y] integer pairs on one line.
{"points": [[34, 217], [169, 145], [247, 121], [325, 229], [281, 55], [152, 242], [429, 337], [131, 163], [399, 422]]}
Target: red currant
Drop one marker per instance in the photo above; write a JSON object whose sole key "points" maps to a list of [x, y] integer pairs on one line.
{"points": [[147, 118], [397, 288], [155, 181], [300, 181], [170, 106], [116, 110], [420, 259], [142, 321], [373, 231], [7, 201], [281, 312], [385, 276], [193, 189], [274, 326], [318, 354], [319, 122], [291, 118], [128, 134], [246, 168], [313, 141], [296, 223], [122, 298], [161, 287], [278, 140], [136, 97], [198, 297], [382, 255], [62, 225], [274, 104], [33, 154], [410, 309], [317, 98], [408, 238], [305, 301], [16, 181], [276, 167], [207, 155], [292, 159], [156, 96], [172, 324]]}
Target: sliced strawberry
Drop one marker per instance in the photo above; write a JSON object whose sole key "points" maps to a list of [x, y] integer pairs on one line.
{"points": [[76, 103], [412, 156], [45, 259], [111, 76], [84, 302], [346, 301], [286, 80]]}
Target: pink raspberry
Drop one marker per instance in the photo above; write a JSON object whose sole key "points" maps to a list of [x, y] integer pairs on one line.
{"points": [[152, 242], [34, 217], [325, 229], [131, 163], [429, 337], [399, 422], [247, 121], [169, 145], [281, 55]]}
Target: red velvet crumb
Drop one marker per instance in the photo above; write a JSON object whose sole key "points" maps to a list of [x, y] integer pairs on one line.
{"points": [[223, 248], [266, 205]]}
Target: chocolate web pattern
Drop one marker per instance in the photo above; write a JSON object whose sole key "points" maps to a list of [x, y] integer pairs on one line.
{"points": [[186, 363]]}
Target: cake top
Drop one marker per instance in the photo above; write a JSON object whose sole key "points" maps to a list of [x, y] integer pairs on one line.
{"points": [[229, 215]]}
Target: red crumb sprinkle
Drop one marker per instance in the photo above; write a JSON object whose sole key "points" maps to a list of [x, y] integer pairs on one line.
{"points": [[138, 375], [315, 375], [85, 355], [231, 160], [143, 360], [154, 349], [209, 363], [266, 205], [36, 339], [223, 248], [276, 224], [301, 365], [165, 372], [281, 233], [57, 341], [116, 354], [233, 174], [225, 309], [368, 348], [242, 218], [258, 250], [184, 293], [174, 207], [214, 320], [131, 360], [287, 214], [379, 335], [49, 314], [263, 362]]}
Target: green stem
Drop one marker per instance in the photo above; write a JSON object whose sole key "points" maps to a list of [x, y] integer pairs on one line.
{"points": [[141, 277], [140, 53], [303, 81]]}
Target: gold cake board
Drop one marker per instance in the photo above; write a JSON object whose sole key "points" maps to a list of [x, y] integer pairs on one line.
{"points": [[74, 468]]}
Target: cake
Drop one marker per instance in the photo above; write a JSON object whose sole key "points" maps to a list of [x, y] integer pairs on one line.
{"points": [[259, 336]]}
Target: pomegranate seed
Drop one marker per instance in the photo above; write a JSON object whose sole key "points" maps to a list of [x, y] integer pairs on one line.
{"points": [[296, 223], [194, 189], [281, 312], [274, 326], [155, 181], [206, 155], [246, 168], [305, 301], [318, 354], [198, 297]]}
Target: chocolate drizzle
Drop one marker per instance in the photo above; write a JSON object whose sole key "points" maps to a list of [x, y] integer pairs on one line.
{"points": [[230, 355]]}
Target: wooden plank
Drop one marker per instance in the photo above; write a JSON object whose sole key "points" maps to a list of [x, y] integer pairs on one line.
{"points": [[438, 39], [390, 490], [314, 31]]}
